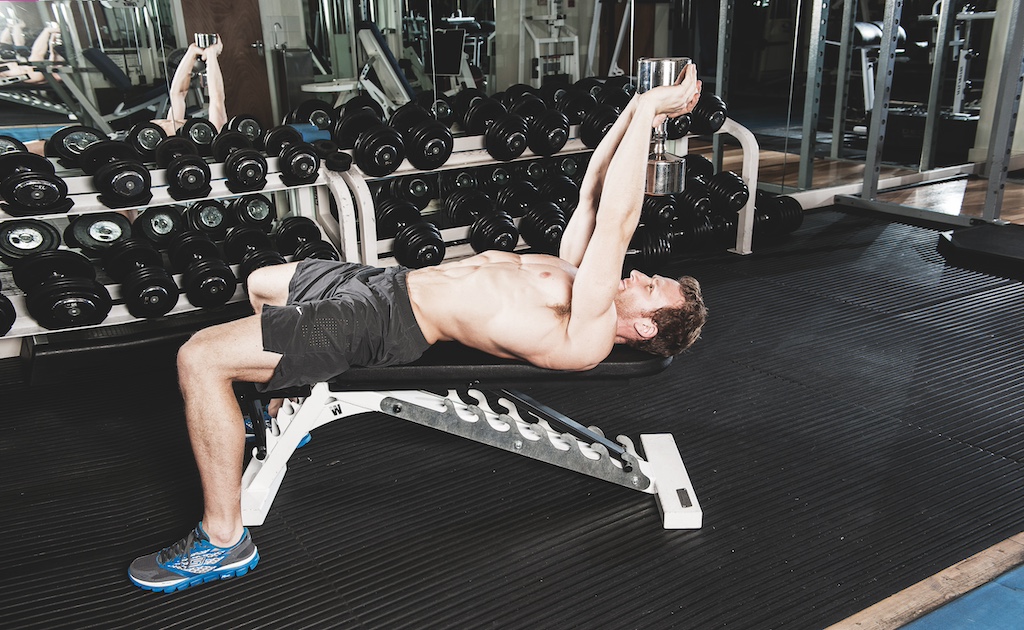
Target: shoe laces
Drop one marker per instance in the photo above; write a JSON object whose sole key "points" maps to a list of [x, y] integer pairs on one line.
{"points": [[183, 547]]}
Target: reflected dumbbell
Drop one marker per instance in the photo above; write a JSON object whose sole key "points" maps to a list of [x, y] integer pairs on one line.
{"points": [[251, 249], [148, 290], [248, 126], [299, 237], [245, 168], [158, 225], [492, 179], [490, 229], [210, 217], [207, 280], [67, 143], [312, 112], [29, 185], [428, 143], [276, 139], [575, 105], [61, 290], [572, 165], [10, 144], [439, 106], [417, 242], [187, 173], [8, 315], [95, 233], [117, 173], [21, 238], [144, 138], [418, 189], [255, 210], [201, 132]]}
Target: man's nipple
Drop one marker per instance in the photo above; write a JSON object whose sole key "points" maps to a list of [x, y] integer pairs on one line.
{"points": [[545, 274]]}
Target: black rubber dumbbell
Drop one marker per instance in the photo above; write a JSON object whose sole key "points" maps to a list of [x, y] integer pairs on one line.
{"points": [[210, 217], [491, 179], [67, 143], [187, 173], [693, 198], [660, 211], [596, 124], [21, 238], [299, 237], [207, 280], [450, 181], [728, 192], [575, 104], [245, 168], [533, 171], [61, 290], [312, 112], [547, 130], [506, 137], [247, 125], [417, 242], [359, 102], [542, 221], [489, 228], [709, 114], [377, 149], [418, 189], [201, 132], [95, 233], [276, 139], [698, 167], [255, 210], [572, 165], [298, 164], [10, 144], [428, 143], [561, 190], [148, 290], [159, 225], [8, 315], [650, 249], [117, 173], [144, 138], [30, 186], [439, 106], [251, 249]]}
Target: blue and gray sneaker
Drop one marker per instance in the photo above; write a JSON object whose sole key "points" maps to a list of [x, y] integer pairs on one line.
{"points": [[193, 560]]}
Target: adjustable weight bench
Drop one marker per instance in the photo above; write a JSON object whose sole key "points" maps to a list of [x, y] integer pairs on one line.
{"points": [[499, 417]]}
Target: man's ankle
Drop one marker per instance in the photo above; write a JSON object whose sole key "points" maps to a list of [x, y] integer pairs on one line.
{"points": [[222, 535]]}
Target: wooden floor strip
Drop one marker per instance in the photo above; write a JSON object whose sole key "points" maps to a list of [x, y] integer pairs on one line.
{"points": [[927, 595]]}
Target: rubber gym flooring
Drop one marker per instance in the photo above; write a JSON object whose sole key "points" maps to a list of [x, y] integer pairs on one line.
{"points": [[851, 420]]}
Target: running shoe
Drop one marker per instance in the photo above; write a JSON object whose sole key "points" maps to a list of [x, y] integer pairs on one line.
{"points": [[193, 560]]}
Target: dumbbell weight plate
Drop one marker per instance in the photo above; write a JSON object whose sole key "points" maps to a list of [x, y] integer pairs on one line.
{"points": [[379, 151], [505, 138], [428, 145], [9, 144], [171, 148], [248, 126], [13, 163], [35, 193], [278, 138], [149, 292], [320, 250], [241, 240], [314, 112], [363, 101], [418, 189], [542, 226], [186, 247], [419, 245], [296, 230], [144, 138], [159, 225], [68, 143], [257, 260], [105, 152], [347, 129], [562, 190], [8, 315], [228, 141], [200, 131], [299, 164], [439, 106], [20, 238], [493, 231], [517, 198], [126, 256], [596, 124], [97, 232], [481, 114], [325, 147], [209, 283], [69, 302], [209, 216], [548, 132], [188, 177], [255, 210], [245, 170], [33, 271], [408, 116]]}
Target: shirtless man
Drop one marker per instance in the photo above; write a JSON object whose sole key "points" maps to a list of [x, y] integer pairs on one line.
{"points": [[182, 79], [562, 312]]}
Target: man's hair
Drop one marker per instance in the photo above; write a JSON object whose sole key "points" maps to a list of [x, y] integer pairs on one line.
{"points": [[678, 326]]}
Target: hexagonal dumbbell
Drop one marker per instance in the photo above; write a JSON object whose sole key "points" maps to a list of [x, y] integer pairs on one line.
{"points": [[148, 290], [61, 290]]}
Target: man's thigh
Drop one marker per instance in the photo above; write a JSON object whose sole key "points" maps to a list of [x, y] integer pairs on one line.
{"points": [[269, 285]]}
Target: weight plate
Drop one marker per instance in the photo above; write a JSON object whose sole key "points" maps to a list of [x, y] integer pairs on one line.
{"points": [[247, 125], [339, 161], [159, 225], [201, 132], [227, 142], [45, 266], [299, 164], [105, 152], [505, 138], [379, 151], [278, 138], [259, 259], [20, 238], [325, 147], [144, 138], [172, 147], [209, 217], [68, 143], [188, 177], [209, 283], [407, 116], [256, 210], [8, 315], [314, 112], [188, 248], [35, 193], [10, 144], [439, 106], [243, 239], [14, 163], [97, 232], [149, 292], [319, 250], [245, 170], [294, 231], [69, 302], [128, 255], [363, 101], [348, 129], [429, 144], [123, 184]]}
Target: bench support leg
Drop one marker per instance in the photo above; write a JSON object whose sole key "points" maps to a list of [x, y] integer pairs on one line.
{"points": [[516, 426]]}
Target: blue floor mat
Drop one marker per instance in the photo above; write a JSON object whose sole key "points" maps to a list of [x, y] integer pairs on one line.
{"points": [[997, 605]]}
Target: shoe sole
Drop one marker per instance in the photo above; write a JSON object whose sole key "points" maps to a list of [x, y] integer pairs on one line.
{"points": [[200, 579]]}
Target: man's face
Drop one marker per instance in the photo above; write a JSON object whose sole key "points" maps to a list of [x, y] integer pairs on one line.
{"points": [[640, 295]]}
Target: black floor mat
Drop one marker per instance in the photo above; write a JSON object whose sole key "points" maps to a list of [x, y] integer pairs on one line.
{"points": [[852, 423]]}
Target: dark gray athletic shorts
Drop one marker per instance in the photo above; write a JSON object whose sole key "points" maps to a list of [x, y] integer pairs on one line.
{"points": [[339, 315]]}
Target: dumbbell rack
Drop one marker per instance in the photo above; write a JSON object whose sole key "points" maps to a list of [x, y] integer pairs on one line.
{"points": [[357, 223], [307, 200]]}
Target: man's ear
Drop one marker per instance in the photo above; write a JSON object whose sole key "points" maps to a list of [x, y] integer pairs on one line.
{"points": [[645, 327]]}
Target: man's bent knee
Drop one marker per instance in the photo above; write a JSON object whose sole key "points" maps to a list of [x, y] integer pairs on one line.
{"points": [[269, 285]]}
